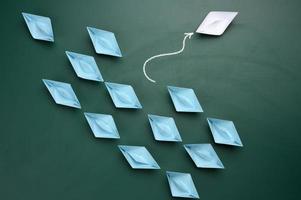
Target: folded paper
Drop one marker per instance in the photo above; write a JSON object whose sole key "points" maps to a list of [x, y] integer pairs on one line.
{"points": [[138, 157], [123, 96], [216, 22], [224, 132], [102, 126], [84, 66], [164, 128], [204, 156], [62, 93], [184, 99], [181, 185], [104, 42], [39, 27]]}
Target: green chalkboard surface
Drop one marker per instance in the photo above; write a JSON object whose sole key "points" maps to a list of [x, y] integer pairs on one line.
{"points": [[250, 75]]}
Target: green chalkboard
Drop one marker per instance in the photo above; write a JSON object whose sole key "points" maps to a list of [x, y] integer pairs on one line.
{"points": [[250, 75]]}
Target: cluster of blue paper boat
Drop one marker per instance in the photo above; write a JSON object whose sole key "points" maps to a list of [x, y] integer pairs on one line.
{"points": [[123, 96]]}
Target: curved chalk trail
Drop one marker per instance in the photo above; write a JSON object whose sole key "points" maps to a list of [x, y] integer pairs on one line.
{"points": [[187, 35]]}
